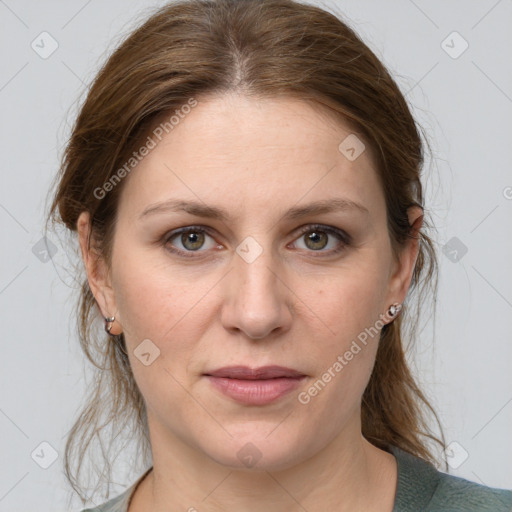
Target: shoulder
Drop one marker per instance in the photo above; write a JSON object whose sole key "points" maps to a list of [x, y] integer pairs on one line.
{"points": [[422, 487], [119, 503], [455, 493]]}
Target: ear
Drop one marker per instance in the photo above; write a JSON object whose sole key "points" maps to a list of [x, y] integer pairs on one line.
{"points": [[97, 271], [401, 278]]}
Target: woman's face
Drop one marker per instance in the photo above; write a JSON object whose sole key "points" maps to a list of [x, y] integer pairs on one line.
{"points": [[272, 283]]}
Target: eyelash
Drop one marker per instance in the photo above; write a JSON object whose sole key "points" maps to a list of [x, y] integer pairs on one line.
{"points": [[344, 238]]}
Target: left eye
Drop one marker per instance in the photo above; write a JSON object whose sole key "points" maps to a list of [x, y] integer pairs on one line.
{"points": [[316, 238]]}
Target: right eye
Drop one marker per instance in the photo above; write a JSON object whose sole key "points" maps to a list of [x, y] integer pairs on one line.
{"points": [[191, 239]]}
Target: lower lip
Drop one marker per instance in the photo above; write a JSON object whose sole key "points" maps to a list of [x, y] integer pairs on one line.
{"points": [[255, 392]]}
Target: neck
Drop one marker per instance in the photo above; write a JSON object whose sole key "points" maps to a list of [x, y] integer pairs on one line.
{"points": [[348, 474]]}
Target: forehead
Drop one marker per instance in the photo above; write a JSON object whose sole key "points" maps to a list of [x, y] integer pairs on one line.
{"points": [[245, 152]]}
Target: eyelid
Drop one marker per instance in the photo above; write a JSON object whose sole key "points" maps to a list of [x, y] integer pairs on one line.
{"points": [[344, 237]]}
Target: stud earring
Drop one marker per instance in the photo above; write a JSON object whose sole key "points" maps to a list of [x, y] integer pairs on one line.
{"points": [[394, 309], [108, 324]]}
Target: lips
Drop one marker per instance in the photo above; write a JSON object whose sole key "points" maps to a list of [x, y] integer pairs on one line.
{"points": [[262, 373], [255, 386]]}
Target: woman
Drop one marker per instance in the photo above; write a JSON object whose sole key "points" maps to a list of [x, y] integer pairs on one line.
{"points": [[244, 181]]}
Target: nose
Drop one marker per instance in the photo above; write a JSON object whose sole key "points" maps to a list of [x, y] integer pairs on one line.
{"points": [[257, 301]]}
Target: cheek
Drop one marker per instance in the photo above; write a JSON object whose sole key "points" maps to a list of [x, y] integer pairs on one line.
{"points": [[349, 305], [157, 305], [154, 300], [348, 302]]}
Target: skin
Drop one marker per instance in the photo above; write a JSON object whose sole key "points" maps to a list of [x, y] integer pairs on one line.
{"points": [[296, 305]]}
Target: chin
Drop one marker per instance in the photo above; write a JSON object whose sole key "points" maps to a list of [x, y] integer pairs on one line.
{"points": [[257, 451]]}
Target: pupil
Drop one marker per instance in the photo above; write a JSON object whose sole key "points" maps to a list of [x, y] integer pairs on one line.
{"points": [[192, 241], [315, 239]]}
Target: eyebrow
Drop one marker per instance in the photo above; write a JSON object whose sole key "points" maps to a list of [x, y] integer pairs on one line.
{"points": [[203, 210]]}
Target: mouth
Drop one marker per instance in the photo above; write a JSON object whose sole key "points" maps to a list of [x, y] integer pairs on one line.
{"points": [[262, 373], [255, 386]]}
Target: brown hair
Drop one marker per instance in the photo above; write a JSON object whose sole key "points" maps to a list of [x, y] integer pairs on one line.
{"points": [[192, 48]]}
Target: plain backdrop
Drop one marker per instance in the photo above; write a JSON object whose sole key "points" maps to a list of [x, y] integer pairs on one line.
{"points": [[451, 60]]}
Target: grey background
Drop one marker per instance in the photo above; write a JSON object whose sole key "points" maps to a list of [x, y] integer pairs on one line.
{"points": [[464, 103]]}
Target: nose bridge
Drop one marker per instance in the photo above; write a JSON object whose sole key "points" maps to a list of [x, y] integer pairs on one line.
{"points": [[258, 303], [256, 280]]}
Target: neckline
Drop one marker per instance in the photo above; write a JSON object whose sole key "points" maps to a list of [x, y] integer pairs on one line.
{"points": [[414, 476], [130, 492]]}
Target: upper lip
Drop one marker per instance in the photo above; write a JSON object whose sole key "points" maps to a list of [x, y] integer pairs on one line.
{"points": [[264, 372]]}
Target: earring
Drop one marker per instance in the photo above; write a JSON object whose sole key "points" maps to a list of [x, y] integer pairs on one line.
{"points": [[108, 324], [394, 309]]}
